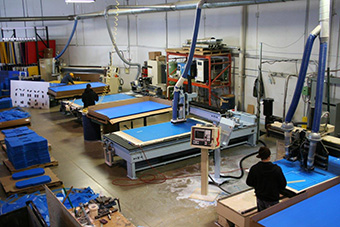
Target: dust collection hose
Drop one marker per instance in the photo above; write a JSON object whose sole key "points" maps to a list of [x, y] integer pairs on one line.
{"points": [[302, 74], [319, 87], [189, 62], [69, 40], [106, 16], [235, 177]]}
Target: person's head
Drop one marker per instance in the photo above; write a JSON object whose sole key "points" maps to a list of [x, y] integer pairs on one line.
{"points": [[71, 74], [88, 86], [264, 153]]}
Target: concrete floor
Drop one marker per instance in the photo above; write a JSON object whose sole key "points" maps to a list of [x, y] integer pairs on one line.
{"points": [[81, 164]]}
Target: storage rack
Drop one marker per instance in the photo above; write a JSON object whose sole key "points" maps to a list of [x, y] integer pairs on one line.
{"points": [[36, 38], [209, 55]]}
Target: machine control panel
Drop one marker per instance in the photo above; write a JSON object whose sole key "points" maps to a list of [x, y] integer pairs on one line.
{"points": [[206, 137]]}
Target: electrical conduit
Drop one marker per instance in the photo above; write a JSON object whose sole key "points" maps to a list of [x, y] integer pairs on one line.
{"points": [[69, 40], [188, 64], [106, 16]]}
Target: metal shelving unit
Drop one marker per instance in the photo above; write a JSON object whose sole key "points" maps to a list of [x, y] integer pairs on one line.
{"points": [[212, 82]]}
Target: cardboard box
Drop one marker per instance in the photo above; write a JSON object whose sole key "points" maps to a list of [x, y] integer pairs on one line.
{"points": [[154, 54], [160, 58]]}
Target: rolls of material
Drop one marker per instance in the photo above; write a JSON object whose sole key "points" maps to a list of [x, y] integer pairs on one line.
{"points": [[93, 210]]}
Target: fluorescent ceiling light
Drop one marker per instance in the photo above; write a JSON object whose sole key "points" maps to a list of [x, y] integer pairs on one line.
{"points": [[80, 1]]}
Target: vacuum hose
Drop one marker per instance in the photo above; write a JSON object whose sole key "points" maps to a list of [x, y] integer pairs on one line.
{"points": [[69, 40]]}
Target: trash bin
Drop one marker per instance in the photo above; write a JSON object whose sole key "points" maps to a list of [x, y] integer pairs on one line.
{"points": [[27, 216], [91, 129]]}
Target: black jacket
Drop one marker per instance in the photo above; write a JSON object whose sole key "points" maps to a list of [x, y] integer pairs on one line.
{"points": [[267, 179], [89, 97]]}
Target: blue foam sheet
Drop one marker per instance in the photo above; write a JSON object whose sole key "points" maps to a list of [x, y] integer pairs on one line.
{"points": [[33, 181], [131, 109], [293, 172], [75, 87], [28, 173], [159, 131], [319, 210], [107, 98]]}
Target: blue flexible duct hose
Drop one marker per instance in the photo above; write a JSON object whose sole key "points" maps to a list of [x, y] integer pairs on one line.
{"points": [[189, 62], [301, 79], [69, 40], [319, 87]]}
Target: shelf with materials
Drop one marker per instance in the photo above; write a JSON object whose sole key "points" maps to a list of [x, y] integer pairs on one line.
{"points": [[212, 83], [23, 51]]}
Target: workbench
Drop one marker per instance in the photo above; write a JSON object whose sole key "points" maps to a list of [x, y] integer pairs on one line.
{"points": [[110, 114], [241, 210], [163, 143], [320, 210], [75, 90], [77, 104]]}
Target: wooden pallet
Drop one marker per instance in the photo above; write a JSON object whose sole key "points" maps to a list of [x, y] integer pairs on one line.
{"points": [[12, 170], [8, 184]]}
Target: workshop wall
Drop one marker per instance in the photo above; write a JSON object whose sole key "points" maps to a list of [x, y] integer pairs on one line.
{"points": [[281, 27]]}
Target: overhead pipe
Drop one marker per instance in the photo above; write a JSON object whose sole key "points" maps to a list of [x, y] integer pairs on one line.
{"points": [[315, 136], [45, 18], [106, 16], [126, 10]]}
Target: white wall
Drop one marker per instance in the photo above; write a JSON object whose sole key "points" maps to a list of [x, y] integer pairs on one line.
{"points": [[279, 26]]}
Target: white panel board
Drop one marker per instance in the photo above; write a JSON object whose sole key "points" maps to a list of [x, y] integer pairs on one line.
{"points": [[30, 94]]}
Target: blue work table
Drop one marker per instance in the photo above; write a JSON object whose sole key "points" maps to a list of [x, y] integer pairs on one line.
{"points": [[319, 210], [69, 91], [301, 179]]}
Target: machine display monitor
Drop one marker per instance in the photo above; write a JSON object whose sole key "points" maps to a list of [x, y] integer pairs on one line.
{"points": [[205, 137]]}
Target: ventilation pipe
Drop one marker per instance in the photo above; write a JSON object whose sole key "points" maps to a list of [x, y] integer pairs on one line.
{"points": [[314, 137], [126, 10], [287, 126], [69, 40]]}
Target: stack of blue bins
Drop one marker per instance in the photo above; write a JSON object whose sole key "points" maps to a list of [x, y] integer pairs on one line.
{"points": [[25, 147], [5, 103]]}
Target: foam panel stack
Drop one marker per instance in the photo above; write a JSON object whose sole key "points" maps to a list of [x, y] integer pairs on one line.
{"points": [[5, 103], [25, 150]]}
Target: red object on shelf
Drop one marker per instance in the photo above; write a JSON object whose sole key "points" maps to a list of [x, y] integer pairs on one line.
{"points": [[211, 83], [31, 51]]}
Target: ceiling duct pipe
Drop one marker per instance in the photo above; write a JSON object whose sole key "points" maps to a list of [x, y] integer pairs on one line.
{"points": [[126, 10]]}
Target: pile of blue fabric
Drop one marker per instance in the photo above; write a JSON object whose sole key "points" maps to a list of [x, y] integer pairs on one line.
{"points": [[26, 148], [13, 114]]}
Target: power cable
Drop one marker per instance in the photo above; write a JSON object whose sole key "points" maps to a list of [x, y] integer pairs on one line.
{"points": [[241, 168]]}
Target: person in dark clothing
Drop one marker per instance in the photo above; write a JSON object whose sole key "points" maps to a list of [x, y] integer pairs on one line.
{"points": [[89, 97], [68, 78], [267, 179]]}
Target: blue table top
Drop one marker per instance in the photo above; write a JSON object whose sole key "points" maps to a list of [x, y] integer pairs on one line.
{"points": [[107, 98], [131, 109], [319, 210], [75, 87], [160, 131], [293, 172]]}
